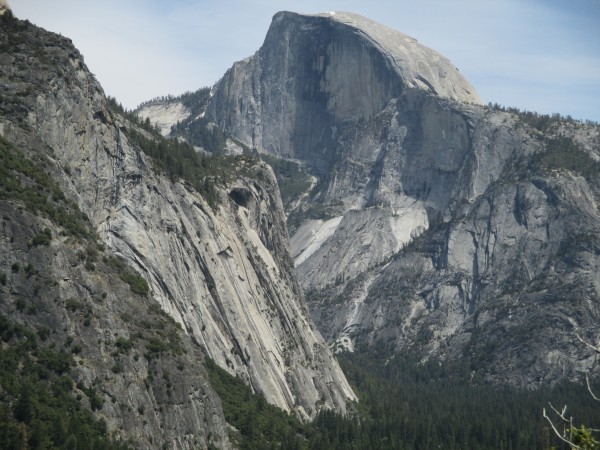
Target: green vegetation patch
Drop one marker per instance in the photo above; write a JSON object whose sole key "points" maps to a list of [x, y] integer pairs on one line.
{"points": [[179, 160], [259, 425], [43, 238], [411, 405], [160, 333], [195, 129], [564, 153], [198, 132], [136, 282], [405, 404], [25, 181], [292, 180], [38, 403]]}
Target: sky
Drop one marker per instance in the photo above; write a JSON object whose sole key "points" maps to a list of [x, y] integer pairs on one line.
{"points": [[537, 55]]}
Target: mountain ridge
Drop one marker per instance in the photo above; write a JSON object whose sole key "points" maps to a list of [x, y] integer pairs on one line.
{"points": [[225, 274], [490, 190]]}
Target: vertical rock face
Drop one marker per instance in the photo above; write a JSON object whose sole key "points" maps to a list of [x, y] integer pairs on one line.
{"points": [[317, 72], [224, 274], [435, 223], [366, 109]]}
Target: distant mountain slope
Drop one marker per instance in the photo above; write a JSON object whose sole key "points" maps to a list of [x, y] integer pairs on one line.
{"points": [[435, 224], [317, 72]]}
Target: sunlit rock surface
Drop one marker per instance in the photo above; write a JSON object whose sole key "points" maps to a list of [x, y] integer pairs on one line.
{"points": [[436, 224], [222, 271]]}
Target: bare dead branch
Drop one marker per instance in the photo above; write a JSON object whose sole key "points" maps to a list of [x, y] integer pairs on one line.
{"points": [[587, 380], [556, 432], [561, 414], [587, 344]]}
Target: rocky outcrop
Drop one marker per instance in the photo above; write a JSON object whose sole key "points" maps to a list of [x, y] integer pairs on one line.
{"points": [[164, 115], [436, 224], [317, 72], [377, 164], [64, 291], [495, 256], [223, 271]]}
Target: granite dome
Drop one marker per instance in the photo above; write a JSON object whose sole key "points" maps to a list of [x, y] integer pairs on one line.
{"points": [[418, 66]]}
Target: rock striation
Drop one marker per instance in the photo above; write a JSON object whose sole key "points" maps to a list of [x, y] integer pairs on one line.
{"points": [[81, 306], [435, 224], [222, 271]]}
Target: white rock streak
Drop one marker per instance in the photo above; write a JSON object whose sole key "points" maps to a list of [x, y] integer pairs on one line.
{"points": [[164, 115], [311, 236]]}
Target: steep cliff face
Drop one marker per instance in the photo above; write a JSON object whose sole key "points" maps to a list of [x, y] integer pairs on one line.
{"points": [[494, 258], [317, 72], [222, 272], [130, 361], [504, 276], [435, 224]]}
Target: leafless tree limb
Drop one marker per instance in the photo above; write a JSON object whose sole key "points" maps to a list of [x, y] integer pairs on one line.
{"points": [[561, 414], [587, 344], [568, 425], [556, 432], [587, 380]]}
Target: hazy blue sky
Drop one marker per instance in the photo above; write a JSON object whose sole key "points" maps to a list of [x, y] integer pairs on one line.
{"points": [[540, 55]]}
